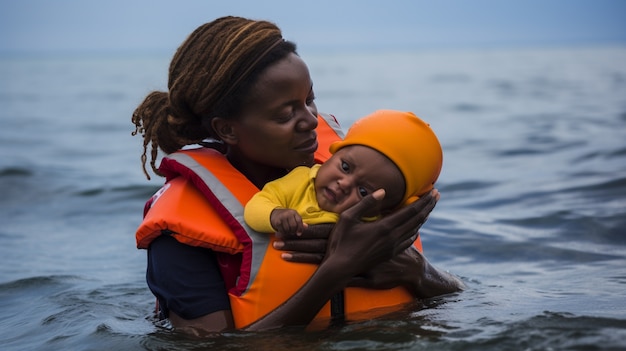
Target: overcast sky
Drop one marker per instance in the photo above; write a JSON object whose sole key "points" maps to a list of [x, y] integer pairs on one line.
{"points": [[83, 25]]}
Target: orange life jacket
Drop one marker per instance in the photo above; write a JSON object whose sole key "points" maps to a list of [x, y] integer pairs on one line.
{"points": [[202, 204]]}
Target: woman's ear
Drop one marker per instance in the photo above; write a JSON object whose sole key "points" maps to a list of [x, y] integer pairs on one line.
{"points": [[224, 130]]}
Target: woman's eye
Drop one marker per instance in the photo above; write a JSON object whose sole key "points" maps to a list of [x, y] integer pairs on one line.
{"points": [[363, 192], [283, 118]]}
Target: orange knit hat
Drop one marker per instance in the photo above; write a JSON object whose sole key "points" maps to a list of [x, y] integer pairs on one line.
{"points": [[406, 140]]}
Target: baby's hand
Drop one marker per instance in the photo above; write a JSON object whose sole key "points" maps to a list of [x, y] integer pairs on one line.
{"points": [[287, 221]]}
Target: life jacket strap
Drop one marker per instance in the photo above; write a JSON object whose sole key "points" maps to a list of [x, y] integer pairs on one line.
{"points": [[337, 307]]}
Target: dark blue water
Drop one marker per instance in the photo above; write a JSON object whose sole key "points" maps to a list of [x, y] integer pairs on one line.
{"points": [[532, 215]]}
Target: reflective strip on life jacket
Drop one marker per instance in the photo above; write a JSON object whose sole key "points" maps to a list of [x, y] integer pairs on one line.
{"points": [[327, 129], [220, 196]]}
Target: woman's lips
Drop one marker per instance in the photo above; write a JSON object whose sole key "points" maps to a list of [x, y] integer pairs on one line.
{"points": [[309, 146]]}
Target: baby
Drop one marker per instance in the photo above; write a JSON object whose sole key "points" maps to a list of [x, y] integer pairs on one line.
{"points": [[391, 150]]}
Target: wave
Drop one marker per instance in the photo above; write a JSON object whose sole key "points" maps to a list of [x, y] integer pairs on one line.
{"points": [[131, 192], [37, 283], [70, 312], [553, 330], [424, 331], [15, 172]]}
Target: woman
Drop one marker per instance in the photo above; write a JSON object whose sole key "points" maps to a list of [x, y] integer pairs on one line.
{"points": [[239, 83]]}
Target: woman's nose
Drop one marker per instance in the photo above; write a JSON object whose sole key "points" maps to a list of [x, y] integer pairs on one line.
{"points": [[307, 122]]}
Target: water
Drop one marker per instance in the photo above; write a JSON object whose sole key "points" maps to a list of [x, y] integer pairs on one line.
{"points": [[532, 215]]}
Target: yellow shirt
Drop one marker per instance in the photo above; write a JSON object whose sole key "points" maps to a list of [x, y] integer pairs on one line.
{"points": [[296, 191]]}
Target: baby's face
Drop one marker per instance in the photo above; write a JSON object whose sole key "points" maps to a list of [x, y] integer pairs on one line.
{"points": [[352, 173]]}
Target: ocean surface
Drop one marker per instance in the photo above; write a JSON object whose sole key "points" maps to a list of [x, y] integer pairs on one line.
{"points": [[532, 215]]}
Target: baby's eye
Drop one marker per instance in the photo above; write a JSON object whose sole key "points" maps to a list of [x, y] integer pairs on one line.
{"points": [[362, 191], [345, 166]]}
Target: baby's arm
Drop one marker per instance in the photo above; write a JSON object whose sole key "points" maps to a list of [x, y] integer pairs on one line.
{"points": [[287, 221], [257, 213], [275, 197]]}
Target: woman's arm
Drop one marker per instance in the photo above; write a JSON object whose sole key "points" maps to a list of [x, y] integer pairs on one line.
{"points": [[189, 286], [409, 268], [208, 324], [413, 271]]}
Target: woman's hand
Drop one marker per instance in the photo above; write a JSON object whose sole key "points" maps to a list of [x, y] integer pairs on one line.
{"points": [[359, 246], [311, 246]]}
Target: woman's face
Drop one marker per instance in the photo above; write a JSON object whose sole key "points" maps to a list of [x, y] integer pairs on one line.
{"points": [[276, 128], [352, 173]]}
